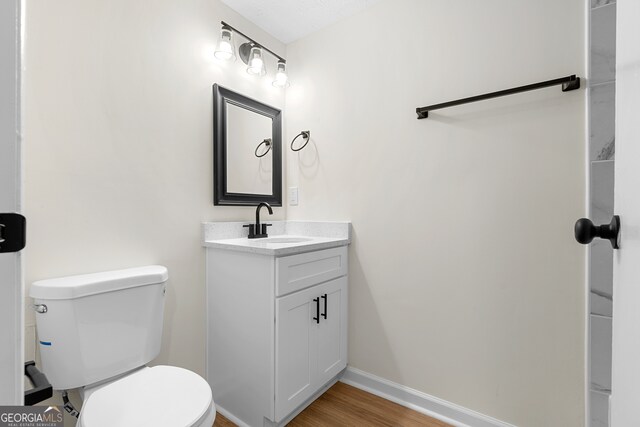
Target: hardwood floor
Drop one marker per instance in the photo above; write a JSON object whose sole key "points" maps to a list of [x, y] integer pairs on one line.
{"points": [[221, 421], [344, 405]]}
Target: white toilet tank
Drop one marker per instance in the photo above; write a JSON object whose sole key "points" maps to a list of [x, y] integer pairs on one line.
{"points": [[97, 326]]}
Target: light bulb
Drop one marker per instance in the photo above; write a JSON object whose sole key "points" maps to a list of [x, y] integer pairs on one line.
{"points": [[282, 80], [225, 49], [256, 64], [255, 67]]}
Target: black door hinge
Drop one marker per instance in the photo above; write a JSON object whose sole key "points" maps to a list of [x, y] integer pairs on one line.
{"points": [[13, 232]]}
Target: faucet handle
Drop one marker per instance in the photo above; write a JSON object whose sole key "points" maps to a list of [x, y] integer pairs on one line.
{"points": [[252, 230], [264, 228]]}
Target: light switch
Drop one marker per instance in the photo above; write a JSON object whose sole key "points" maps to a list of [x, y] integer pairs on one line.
{"points": [[293, 196]]}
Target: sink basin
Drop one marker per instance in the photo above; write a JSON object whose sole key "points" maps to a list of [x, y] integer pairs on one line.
{"points": [[280, 240], [286, 238]]}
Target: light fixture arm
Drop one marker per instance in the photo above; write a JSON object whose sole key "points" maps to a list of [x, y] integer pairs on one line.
{"points": [[225, 25]]}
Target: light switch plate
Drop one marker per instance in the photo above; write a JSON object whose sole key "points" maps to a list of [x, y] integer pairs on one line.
{"points": [[293, 196]]}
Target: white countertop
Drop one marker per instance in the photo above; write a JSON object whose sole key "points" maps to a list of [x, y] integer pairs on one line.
{"points": [[285, 237]]}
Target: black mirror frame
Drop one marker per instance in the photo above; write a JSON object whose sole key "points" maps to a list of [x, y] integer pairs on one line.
{"points": [[222, 197]]}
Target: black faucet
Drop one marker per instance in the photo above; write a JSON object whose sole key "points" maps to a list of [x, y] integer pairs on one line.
{"points": [[257, 230]]}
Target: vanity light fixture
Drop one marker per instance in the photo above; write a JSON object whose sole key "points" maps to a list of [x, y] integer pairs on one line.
{"points": [[225, 48], [282, 80], [251, 53], [255, 64]]}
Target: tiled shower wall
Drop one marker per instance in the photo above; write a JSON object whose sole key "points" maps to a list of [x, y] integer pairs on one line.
{"points": [[601, 156]]}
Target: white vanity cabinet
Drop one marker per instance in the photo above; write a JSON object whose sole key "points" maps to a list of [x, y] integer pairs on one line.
{"points": [[277, 330], [311, 345]]}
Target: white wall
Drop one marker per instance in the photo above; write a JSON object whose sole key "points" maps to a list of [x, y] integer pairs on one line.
{"points": [[119, 151], [466, 282]]}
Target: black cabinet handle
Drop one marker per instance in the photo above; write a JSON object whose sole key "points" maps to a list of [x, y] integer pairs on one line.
{"points": [[324, 297], [317, 318], [585, 231]]}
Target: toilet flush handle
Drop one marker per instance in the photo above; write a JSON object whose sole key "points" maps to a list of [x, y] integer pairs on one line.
{"points": [[40, 308]]}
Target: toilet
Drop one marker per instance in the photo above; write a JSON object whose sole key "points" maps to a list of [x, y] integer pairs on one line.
{"points": [[97, 332]]}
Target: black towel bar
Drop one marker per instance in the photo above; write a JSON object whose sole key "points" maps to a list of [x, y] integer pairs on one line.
{"points": [[568, 83]]}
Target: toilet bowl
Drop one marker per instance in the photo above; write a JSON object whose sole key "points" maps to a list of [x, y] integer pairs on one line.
{"points": [[97, 332], [162, 396]]}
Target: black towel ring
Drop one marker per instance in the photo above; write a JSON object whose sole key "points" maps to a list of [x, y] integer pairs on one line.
{"points": [[266, 142], [306, 135]]}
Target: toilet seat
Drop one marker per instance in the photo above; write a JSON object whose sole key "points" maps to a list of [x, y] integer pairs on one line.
{"points": [[162, 396]]}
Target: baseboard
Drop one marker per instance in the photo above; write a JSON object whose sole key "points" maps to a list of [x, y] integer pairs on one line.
{"points": [[429, 405], [228, 415]]}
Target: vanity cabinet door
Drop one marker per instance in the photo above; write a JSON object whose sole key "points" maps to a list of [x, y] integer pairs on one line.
{"points": [[296, 350], [332, 329], [311, 342]]}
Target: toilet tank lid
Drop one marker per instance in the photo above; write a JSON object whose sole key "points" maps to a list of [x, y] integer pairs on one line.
{"points": [[97, 283]]}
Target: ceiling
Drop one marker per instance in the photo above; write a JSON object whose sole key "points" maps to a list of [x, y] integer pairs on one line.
{"points": [[289, 20]]}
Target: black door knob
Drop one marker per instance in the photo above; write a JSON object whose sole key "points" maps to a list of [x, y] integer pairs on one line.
{"points": [[585, 231]]}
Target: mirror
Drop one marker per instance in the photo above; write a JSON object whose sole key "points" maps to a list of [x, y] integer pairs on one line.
{"points": [[247, 143]]}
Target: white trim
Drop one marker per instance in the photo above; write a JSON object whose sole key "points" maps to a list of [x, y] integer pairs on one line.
{"points": [[586, 330], [228, 415], [418, 401], [11, 294]]}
